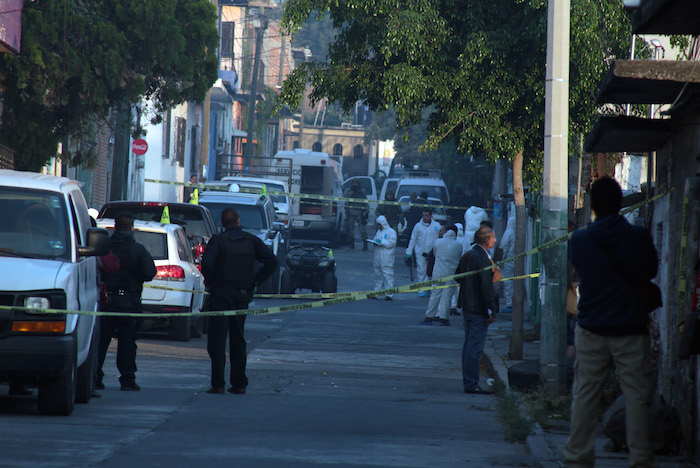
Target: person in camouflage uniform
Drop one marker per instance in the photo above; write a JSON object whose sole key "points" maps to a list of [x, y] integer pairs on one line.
{"points": [[392, 212], [356, 214]]}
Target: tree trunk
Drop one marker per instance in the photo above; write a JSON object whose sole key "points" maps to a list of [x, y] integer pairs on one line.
{"points": [[516, 341]]}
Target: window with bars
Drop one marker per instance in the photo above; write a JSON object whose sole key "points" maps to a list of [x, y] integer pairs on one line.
{"points": [[227, 30], [180, 140], [358, 152]]}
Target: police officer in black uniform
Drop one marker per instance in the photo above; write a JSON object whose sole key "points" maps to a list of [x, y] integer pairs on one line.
{"points": [[124, 295], [228, 268]]}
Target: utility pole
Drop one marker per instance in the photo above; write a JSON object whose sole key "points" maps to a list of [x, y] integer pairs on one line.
{"points": [[259, 34], [206, 111], [555, 197]]}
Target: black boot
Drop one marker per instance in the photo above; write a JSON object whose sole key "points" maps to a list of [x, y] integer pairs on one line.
{"points": [[364, 246]]}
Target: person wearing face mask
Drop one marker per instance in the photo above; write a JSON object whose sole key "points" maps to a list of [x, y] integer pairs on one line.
{"points": [[423, 236], [447, 253], [384, 244]]}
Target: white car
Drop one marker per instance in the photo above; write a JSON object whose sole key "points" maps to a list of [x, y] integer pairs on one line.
{"points": [[175, 268]]}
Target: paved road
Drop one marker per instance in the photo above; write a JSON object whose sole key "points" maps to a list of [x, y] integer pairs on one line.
{"points": [[351, 385]]}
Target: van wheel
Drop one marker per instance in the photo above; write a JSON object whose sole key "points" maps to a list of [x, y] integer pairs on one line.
{"points": [[286, 283], [57, 394], [85, 384], [330, 282], [180, 329]]}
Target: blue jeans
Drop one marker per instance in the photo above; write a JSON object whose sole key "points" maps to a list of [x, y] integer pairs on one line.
{"points": [[475, 328]]}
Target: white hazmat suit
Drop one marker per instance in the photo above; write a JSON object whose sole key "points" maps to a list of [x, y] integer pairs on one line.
{"points": [[422, 239], [508, 247], [472, 221], [447, 254], [460, 239], [384, 246]]}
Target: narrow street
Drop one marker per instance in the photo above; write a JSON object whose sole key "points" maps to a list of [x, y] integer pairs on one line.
{"points": [[352, 385]]}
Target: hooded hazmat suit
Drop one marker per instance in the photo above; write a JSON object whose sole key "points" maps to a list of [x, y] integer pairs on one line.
{"points": [[508, 247], [385, 243], [422, 239], [447, 254], [472, 221]]}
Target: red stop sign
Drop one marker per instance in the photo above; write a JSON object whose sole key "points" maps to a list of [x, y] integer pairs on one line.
{"points": [[139, 146]]}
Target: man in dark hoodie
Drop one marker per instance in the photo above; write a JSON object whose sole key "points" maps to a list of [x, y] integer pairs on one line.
{"points": [[609, 256], [228, 266], [124, 289]]}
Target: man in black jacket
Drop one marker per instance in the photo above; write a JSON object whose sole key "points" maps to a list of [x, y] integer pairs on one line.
{"points": [[228, 268], [124, 289], [610, 257], [478, 302]]}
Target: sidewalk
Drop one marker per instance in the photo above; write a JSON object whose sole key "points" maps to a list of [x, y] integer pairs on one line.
{"points": [[546, 446]]}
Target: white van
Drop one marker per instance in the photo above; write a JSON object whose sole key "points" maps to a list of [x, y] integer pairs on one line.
{"points": [[47, 261], [421, 180], [313, 173]]}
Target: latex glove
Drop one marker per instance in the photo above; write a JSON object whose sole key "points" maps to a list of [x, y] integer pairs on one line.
{"points": [[378, 241], [409, 257]]}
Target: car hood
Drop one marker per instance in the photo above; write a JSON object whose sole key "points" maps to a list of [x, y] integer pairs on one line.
{"points": [[24, 274]]}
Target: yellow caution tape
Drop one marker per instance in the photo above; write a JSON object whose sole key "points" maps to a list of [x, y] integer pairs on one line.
{"points": [[307, 196], [339, 297]]}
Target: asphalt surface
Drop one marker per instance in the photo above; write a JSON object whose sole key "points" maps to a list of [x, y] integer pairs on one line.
{"points": [[360, 384]]}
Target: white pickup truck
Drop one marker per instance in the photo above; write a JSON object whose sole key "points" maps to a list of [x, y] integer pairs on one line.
{"points": [[48, 251]]}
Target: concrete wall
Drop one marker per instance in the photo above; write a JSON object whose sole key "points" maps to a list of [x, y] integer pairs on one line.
{"points": [[676, 378]]}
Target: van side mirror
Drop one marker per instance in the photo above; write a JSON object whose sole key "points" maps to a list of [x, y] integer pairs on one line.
{"points": [[97, 243]]}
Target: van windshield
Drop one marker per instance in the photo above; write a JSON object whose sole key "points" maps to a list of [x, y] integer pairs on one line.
{"points": [[434, 191], [33, 224]]}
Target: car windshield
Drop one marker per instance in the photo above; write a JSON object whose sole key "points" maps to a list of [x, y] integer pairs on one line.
{"points": [[252, 216], [33, 224], [276, 199], [434, 191], [191, 219], [155, 242]]}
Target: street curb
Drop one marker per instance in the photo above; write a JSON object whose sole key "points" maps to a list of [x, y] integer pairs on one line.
{"points": [[537, 444], [539, 448]]}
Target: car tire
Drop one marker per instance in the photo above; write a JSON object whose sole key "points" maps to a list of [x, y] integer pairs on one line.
{"points": [[180, 329], [57, 394], [330, 282], [287, 282], [85, 383]]}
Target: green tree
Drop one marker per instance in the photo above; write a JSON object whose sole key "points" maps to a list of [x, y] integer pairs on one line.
{"points": [[80, 58], [478, 64]]}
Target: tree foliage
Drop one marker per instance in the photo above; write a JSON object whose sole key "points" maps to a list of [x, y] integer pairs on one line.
{"points": [[478, 65], [80, 58]]}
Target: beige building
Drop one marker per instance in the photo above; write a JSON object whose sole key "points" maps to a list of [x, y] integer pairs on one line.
{"points": [[347, 142]]}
